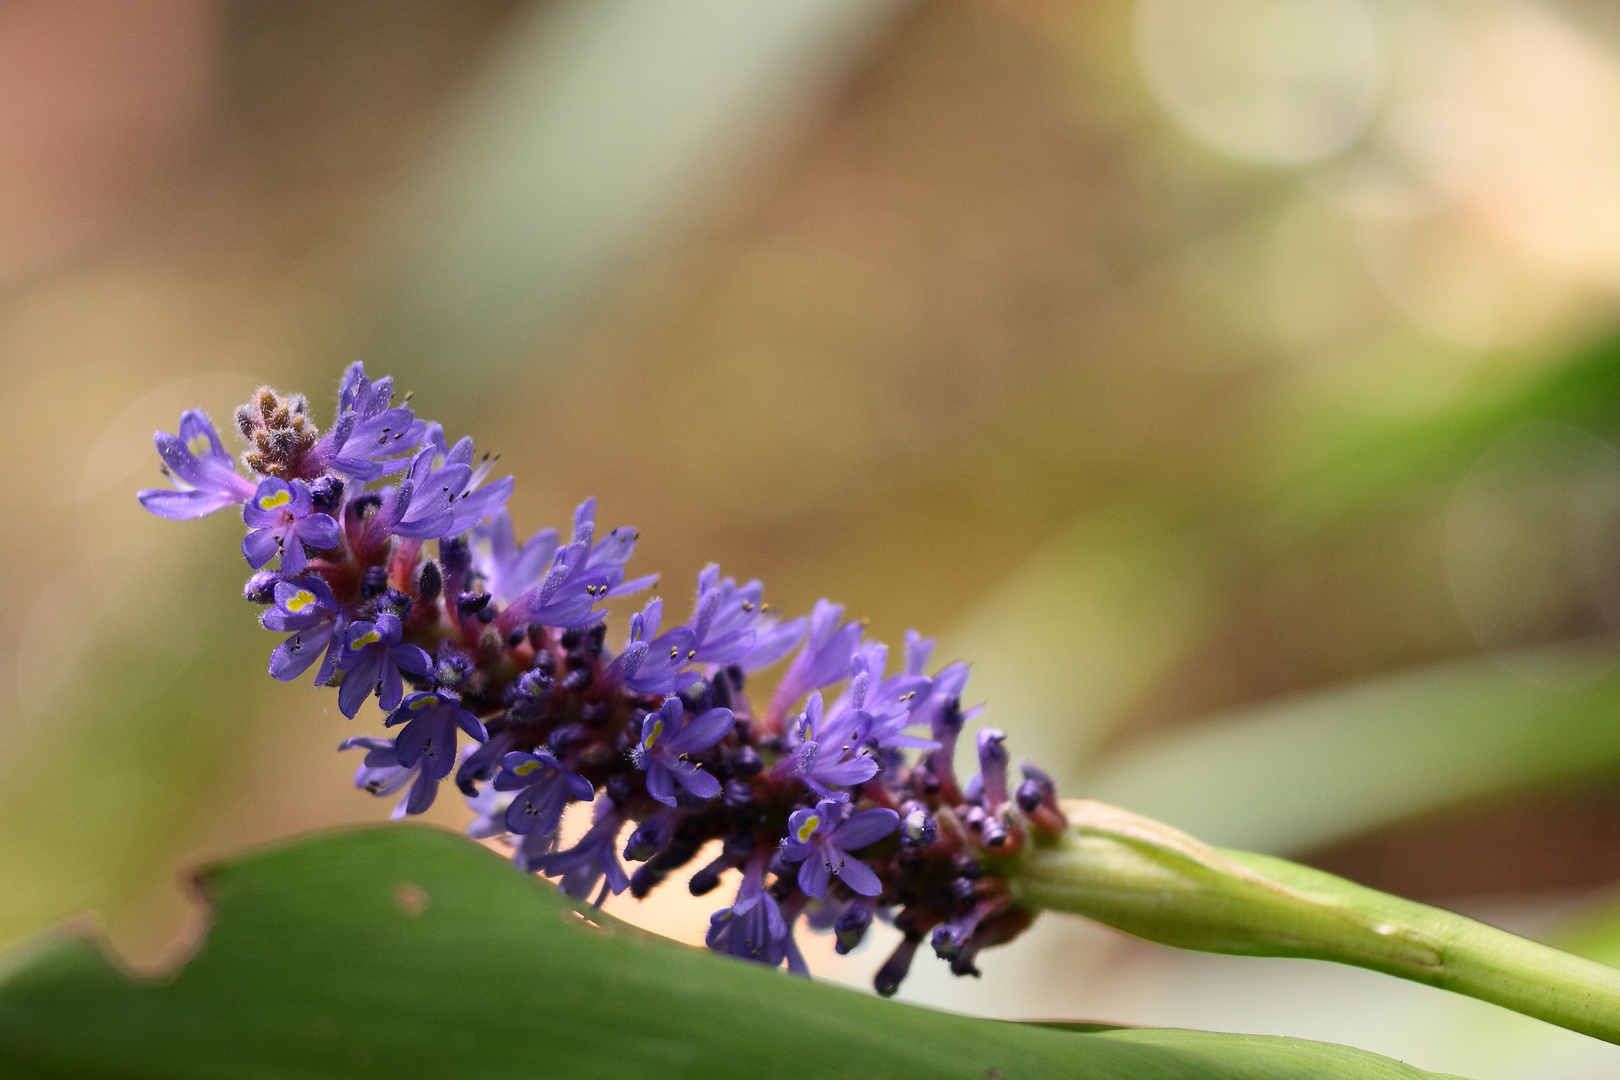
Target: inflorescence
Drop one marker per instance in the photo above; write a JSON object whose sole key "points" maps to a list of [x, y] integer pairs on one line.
{"points": [[826, 800]]}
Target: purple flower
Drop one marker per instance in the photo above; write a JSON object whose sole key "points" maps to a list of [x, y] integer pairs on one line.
{"points": [[543, 786], [850, 929], [489, 813], [510, 570], [820, 843], [485, 761], [381, 773], [957, 939], [989, 786], [521, 645], [1037, 788], [372, 658], [823, 661], [472, 501], [595, 858], [942, 712], [773, 640], [581, 575], [667, 744], [534, 847], [830, 753], [729, 624], [725, 618], [753, 928], [886, 705], [304, 605], [282, 518], [654, 667], [431, 719], [371, 521], [445, 495], [204, 476], [368, 439], [431, 491]]}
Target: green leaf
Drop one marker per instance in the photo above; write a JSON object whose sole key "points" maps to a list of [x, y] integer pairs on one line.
{"points": [[401, 951]]}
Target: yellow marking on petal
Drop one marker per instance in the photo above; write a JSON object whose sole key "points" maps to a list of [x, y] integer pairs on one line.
{"points": [[809, 827], [370, 637], [200, 445], [422, 703], [275, 500], [300, 600], [657, 730], [526, 768]]}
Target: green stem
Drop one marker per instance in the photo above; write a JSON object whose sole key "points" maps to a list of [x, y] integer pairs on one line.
{"points": [[1149, 880]]}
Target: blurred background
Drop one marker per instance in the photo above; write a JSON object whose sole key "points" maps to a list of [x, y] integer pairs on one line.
{"points": [[1236, 382]]}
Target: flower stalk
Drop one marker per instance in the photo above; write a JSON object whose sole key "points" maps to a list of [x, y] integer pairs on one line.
{"points": [[1149, 880]]}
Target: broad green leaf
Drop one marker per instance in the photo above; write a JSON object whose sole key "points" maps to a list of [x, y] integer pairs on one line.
{"points": [[401, 951]]}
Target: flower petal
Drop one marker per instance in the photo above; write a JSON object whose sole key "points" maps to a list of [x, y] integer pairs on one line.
{"points": [[858, 876], [814, 876], [701, 733]]}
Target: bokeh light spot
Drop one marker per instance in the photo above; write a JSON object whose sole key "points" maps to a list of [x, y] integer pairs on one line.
{"points": [[1282, 82]]}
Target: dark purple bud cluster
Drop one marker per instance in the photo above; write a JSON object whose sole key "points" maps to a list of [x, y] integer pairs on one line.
{"points": [[837, 801]]}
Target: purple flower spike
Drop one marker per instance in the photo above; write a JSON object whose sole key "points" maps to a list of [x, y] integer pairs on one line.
{"points": [[543, 788], [831, 754], [282, 518], [381, 773], [429, 738], [595, 858], [668, 742], [665, 731], [204, 476], [372, 659], [306, 606], [821, 843]]}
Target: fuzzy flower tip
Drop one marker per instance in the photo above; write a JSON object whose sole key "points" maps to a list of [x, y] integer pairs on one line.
{"points": [[385, 557]]}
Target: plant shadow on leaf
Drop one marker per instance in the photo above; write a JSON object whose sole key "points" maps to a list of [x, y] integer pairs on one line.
{"points": [[412, 952]]}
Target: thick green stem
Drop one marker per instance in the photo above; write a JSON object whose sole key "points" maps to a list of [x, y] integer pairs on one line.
{"points": [[1149, 880]]}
